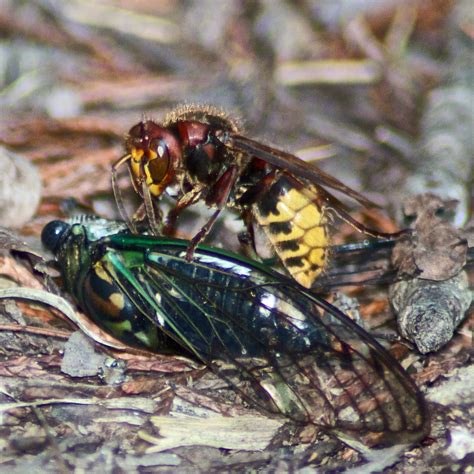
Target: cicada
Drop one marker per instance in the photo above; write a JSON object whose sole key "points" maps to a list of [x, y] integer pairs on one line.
{"points": [[199, 154], [282, 347]]}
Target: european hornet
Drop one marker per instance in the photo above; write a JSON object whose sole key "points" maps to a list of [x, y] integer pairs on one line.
{"points": [[199, 154]]}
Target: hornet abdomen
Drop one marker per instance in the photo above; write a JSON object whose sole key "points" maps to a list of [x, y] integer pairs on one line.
{"points": [[297, 228]]}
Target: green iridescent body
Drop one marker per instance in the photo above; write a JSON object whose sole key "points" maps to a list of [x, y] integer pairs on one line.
{"points": [[284, 348]]}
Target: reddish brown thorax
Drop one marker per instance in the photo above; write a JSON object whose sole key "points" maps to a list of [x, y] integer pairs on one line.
{"points": [[192, 133]]}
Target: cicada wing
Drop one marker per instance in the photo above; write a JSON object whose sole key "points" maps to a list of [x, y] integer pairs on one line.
{"points": [[372, 396], [283, 348]]}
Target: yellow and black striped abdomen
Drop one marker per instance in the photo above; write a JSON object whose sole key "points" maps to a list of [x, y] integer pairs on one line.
{"points": [[296, 227]]}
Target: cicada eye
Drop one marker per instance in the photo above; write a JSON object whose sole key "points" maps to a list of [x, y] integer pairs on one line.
{"points": [[53, 234], [159, 164]]}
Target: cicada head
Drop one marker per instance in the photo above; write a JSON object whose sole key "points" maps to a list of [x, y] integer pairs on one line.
{"points": [[70, 242], [69, 245], [89, 275]]}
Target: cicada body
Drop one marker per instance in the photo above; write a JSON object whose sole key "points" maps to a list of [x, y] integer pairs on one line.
{"points": [[282, 347], [199, 154]]}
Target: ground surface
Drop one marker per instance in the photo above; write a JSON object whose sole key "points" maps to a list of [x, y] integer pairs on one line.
{"points": [[353, 77]]}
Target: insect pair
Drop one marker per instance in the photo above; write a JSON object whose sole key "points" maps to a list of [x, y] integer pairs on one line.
{"points": [[198, 154], [282, 347]]}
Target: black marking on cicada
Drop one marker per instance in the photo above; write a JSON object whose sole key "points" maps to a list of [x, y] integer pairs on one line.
{"points": [[284, 348]]}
